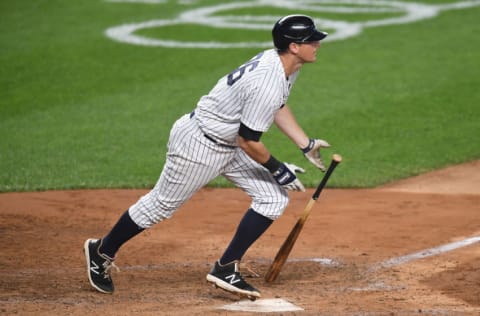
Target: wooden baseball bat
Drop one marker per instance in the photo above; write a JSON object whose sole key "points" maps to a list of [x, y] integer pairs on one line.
{"points": [[287, 245]]}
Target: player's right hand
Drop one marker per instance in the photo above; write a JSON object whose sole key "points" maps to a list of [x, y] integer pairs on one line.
{"points": [[312, 152], [285, 176]]}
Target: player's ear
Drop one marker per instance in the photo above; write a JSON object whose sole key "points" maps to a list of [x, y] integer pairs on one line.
{"points": [[293, 48]]}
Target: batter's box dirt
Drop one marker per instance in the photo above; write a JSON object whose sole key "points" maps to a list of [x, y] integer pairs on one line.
{"points": [[42, 268], [461, 281]]}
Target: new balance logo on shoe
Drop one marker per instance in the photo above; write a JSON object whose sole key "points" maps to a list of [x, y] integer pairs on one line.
{"points": [[94, 267], [232, 279]]}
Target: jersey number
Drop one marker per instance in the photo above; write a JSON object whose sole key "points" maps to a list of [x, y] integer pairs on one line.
{"points": [[235, 75]]}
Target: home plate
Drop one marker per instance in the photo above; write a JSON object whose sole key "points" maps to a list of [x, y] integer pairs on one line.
{"points": [[263, 306]]}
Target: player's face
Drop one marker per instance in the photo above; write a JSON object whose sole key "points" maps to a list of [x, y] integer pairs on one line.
{"points": [[307, 52]]}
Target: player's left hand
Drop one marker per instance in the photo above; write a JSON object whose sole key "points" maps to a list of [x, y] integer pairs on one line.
{"points": [[312, 152], [295, 185], [287, 178]]}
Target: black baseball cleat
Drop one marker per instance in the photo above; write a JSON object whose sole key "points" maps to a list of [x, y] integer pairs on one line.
{"points": [[99, 267], [228, 278]]}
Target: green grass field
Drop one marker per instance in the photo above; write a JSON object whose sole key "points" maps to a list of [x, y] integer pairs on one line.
{"points": [[79, 110]]}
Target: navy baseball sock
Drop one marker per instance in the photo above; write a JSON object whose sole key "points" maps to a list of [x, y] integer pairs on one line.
{"points": [[124, 230], [251, 227]]}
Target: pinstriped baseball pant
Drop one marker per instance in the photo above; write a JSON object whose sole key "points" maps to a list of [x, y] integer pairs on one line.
{"points": [[192, 162]]}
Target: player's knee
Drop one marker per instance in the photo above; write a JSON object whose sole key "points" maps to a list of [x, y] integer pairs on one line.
{"points": [[283, 203], [281, 206], [146, 218], [272, 208], [149, 211]]}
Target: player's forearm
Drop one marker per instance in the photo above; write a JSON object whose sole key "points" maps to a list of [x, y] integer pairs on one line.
{"points": [[287, 123], [255, 149]]}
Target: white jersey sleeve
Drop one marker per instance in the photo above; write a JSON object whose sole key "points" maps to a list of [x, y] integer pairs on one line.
{"points": [[269, 92]]}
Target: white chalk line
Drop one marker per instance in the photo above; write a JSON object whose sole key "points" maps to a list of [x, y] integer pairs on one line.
{"points": [[173, 265], [427, 253], [392, 262]]}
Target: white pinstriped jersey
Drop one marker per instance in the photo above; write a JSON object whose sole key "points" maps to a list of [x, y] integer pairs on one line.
{"points": [[251, 94]]}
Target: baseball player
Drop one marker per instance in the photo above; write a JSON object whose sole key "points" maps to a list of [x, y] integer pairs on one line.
{"points": [[222, 136]]}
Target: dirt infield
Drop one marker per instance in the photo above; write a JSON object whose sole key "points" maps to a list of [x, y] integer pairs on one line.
{"points": [[362, 252]]}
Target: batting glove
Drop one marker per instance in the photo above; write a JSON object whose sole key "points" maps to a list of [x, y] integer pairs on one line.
{"points": [[312, 152], [285, 176]]}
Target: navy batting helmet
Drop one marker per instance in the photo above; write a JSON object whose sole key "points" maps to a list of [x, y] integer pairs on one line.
{"points": [[296, 28]]}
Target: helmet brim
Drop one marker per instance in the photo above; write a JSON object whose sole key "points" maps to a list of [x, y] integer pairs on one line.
{"points": [[316, 36]]}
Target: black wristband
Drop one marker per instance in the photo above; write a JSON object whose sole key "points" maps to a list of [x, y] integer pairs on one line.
{"points": [[309, 146], [272, 164]]}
